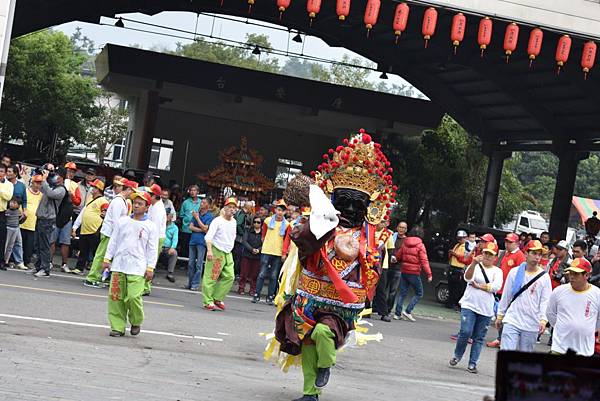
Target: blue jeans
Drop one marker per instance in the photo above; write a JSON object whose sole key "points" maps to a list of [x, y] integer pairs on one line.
{"points": [[407, 281], [195, 265], [474, 326], [269, 264]]}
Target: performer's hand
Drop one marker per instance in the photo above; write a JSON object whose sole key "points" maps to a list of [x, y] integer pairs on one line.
{"points": [[283, 258], [149, 274], [542, 327], [105, 265], [498, 324], [429, 279], [478, 259], [209, 256], [171, 251], [73, 234]]}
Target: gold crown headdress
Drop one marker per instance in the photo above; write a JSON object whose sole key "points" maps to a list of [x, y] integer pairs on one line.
{"points": [[360, 165]]}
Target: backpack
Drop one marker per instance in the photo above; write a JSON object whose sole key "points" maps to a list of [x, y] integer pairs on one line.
{"points": [[64, 212]]}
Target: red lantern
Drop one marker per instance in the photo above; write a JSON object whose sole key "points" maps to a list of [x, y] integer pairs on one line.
{"points": [[484, 36], [283, 5], [371, 14], [534, 47], [588, 57], [457, 33], [250, 4], [562, 51], [400, 19], [313, 7], [429, 23], [511, 37], [342, 9]]}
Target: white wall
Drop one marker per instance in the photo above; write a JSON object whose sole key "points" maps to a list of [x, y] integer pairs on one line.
{"points": [[580, 16]]}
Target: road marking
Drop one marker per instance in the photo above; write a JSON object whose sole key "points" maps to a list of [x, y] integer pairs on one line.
{"points": [[82, 294], [75, 277], [102, 326], [223, 334]]}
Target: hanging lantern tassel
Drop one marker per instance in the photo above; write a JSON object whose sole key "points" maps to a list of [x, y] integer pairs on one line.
{"points": [[511, 37], [429, 23], [588, 58], [562, 51], [536, 37], [400, 19], [342, 9], [371, 14], [484, 36], [313, 7], [457, 34], [250, 4], [282, 5], [222, 1]]}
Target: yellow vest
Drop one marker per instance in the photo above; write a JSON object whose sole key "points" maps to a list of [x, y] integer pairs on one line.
{"points": [[273, 243], [33, 201], [91, 219], [459, 249]]}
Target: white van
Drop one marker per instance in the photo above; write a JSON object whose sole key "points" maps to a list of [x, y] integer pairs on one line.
{"points": [[528, 221]]}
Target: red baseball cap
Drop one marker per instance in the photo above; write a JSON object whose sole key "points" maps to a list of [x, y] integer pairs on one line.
{"points": [[512, 237], [154, 189], [488, 238], [142, 194], [579, 265], [130, 184]]}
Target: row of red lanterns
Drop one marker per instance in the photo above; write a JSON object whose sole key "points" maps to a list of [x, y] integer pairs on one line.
{"points": [[457, 32]]}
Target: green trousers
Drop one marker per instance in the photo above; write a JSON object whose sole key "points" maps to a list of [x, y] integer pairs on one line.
{"points": [[96, 269], [125, 301], [148, 285], [218, 276], [321, 354]]}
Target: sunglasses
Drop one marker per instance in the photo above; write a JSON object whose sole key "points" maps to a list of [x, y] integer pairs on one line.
{"points": [[257, 222]]}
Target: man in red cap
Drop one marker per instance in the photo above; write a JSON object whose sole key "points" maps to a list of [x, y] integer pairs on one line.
{"points": [[574, 311], [512, 258], [522, 309], [158, 215], [117, 208], [131, 257]]}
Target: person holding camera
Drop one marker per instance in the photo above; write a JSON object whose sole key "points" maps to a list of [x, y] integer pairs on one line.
{"points": [[53, 193]]}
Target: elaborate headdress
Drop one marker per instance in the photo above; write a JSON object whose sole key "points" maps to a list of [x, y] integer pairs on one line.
{"points": [[360, 165]]}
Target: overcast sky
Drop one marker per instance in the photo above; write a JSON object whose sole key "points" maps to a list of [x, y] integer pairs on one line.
{"points": [[186, 21]]}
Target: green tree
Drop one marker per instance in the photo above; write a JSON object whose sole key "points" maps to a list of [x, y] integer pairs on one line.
{"points": [[108, 127], [46, 100], [219, 52]]}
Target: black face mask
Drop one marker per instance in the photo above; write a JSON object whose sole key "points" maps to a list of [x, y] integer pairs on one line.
{"points": [[352, 205]]}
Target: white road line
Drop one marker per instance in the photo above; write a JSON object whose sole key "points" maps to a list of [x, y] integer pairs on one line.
{"points": [[223, 334], [102, 326], [76, 277]]}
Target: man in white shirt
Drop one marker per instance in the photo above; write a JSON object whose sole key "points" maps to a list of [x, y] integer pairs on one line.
{"points": [[522, 309], [158, 215], [131, 257], [574, 311], [117, 208], [218, 270]]}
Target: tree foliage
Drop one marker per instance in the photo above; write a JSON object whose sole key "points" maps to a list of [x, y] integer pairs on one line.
{"points": [[46, 100]]}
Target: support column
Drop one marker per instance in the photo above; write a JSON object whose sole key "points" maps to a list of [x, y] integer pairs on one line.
{"points": [[142, 128], [563, 192], [492, 186]]}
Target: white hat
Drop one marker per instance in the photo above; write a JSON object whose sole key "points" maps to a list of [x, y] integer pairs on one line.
{"points": [[562, 244], [461, 234]]}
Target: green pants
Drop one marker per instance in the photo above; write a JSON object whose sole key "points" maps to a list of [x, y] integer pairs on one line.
{"points": [[96, 268], [321, 354], [218, 276], [148, 285], [125, 301]]}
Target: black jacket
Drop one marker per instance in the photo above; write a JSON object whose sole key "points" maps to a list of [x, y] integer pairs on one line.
{"points": [[252, 240]]}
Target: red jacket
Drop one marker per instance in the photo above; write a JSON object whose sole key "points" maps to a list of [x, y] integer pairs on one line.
{"points": [[412, 256]]}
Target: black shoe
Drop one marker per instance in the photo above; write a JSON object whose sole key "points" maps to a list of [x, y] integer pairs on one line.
{"points": [[171, 278], [255, 298], [307, 397], [269, 301], [322, 377], [472, 369], [115, 333], [135, 330], [386, 318], [2, 266]]}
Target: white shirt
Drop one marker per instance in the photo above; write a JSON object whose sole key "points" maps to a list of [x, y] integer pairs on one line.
{"points": [[117, 208], [575, 316], [133, 246], [221, 233], [158, 215], [529, 309], [482, 302]]}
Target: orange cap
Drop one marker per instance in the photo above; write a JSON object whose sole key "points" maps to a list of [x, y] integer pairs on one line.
{"points": [[142, 194], [305, 211], [533, 245], [280, 203], [71, 166], [231, 201], [154, 189], [512, 237], [579, 265], [98, 184], [491, 247], [488, 238]]}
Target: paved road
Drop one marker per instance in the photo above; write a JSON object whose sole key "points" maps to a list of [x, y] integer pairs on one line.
{"points": [[54, 345]]}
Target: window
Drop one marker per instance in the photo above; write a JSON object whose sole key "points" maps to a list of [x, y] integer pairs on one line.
{"points": [[524, 222], [287, 170], [161, 153]]}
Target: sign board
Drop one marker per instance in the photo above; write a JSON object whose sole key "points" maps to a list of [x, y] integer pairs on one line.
{"points": [[573, 16]]}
